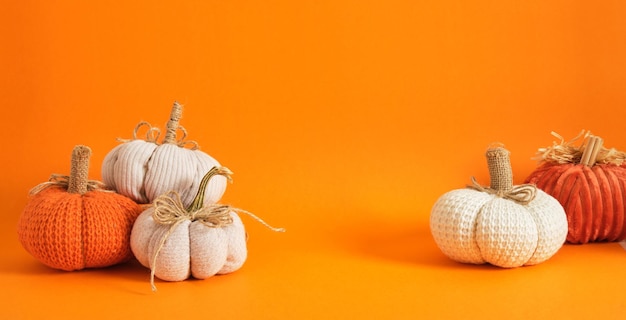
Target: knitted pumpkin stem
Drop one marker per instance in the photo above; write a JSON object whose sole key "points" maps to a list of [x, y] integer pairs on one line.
{"points": [[172, 124], [79, 171], [590, 154], [500, 171], [198, 200]]}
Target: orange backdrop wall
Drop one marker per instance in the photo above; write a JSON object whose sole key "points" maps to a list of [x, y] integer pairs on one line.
{"points": [[343, 122]]}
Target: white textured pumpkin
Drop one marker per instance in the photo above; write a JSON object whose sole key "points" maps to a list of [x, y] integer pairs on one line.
{"points": [[191, 249], [143, 169], [177, 242], [503, 225]]}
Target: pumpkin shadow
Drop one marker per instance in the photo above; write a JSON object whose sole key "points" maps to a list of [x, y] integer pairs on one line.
{"points": [[19, 266], [410, 243], [130, 270]]}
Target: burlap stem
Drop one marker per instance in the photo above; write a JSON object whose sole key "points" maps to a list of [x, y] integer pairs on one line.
{"points": [[501, 175]]}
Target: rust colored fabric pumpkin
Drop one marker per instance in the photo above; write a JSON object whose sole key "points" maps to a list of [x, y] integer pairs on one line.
{"points": [[590, 182], [71, 223]]}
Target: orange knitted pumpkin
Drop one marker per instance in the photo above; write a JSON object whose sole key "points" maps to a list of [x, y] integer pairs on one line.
{"points": [[71, 223], [590, 182]]}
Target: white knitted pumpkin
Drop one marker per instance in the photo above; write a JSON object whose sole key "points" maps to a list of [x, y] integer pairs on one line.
{"points": [[145, 169], [200, 241], [504, 225]]}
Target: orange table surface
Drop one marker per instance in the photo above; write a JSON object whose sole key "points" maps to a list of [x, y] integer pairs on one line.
{"points": [[343, 121]]}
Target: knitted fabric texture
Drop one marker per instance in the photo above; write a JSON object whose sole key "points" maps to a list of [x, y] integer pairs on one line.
{"points": [[71, 231], [145, 169], [191, 249], [474, 227]]}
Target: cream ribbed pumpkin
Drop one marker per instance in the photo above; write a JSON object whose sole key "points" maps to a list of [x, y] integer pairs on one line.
{"points": [[145, 169], [504, 225], [177, 242]]}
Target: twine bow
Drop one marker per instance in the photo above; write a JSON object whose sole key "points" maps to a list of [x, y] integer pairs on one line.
{"points": [[153, 134], [181, 142], [522, 194], [170, 211], [63, 181]]}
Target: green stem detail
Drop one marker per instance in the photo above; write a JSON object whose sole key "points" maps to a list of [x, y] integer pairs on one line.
{"points": [[198, 200]]}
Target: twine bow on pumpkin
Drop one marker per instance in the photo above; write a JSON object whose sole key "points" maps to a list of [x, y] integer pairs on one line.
{"points": [[501, 176], [170, 211], [173, 126], [522, 194], [63, 181], [152, 133]]}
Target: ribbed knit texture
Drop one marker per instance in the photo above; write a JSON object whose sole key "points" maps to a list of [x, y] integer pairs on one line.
{"points": [[593, 197], [192, 249], [143, 170], [71, 231], [474, 227]]}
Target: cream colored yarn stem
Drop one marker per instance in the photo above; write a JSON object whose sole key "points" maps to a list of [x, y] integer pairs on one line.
{"points": [[79, 171], [172, 124]]}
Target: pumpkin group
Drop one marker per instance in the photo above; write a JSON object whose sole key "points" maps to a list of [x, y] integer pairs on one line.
{"points": [[71, 223], [590, 183], [145, 169], [504, 225]]}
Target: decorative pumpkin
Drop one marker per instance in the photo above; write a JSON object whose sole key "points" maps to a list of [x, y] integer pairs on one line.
{"points": [[504, 225], [201, 240], [71, 223], [145, 169], [590, 182]]}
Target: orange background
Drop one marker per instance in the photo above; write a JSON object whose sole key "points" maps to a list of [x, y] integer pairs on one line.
{"points": [[343, 121]]}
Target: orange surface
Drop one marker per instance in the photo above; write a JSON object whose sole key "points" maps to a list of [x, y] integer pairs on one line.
{"points": [[343, 121]]}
